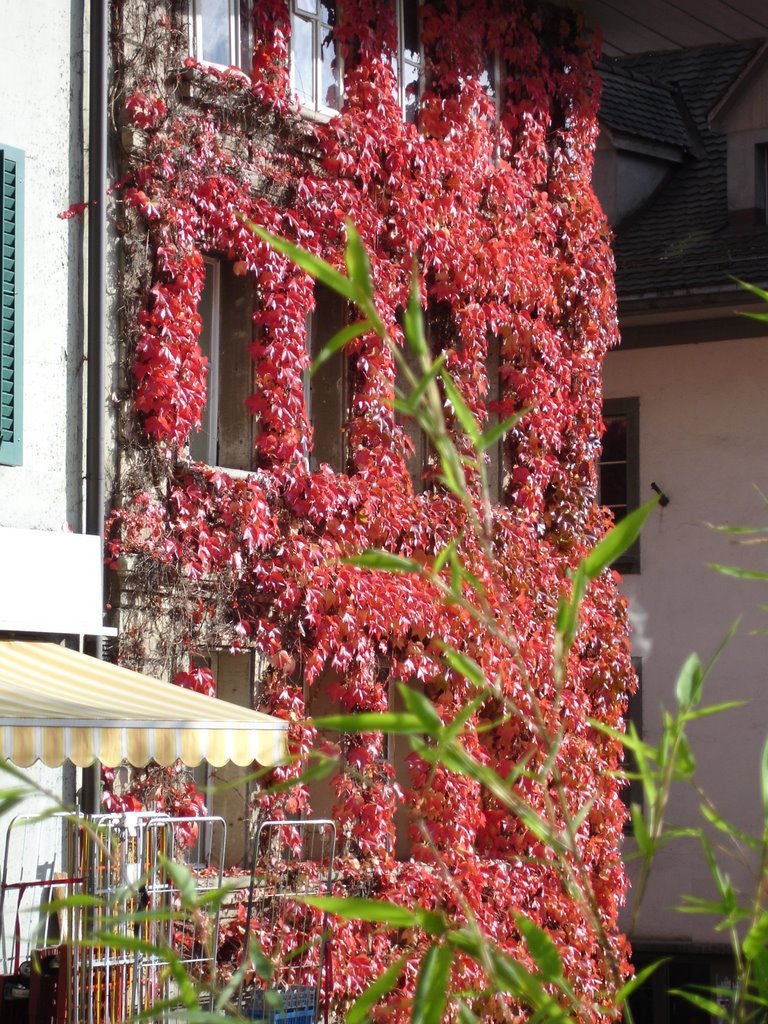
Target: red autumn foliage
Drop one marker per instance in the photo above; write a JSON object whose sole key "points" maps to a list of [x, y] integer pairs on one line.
{"points": [[495, 202]]}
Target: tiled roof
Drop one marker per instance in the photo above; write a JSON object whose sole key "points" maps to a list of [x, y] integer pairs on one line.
{"points": [[682, 239], [634, 105]]}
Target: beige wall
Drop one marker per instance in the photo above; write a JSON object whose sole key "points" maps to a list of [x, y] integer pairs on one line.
{"points": [[703, 426]]}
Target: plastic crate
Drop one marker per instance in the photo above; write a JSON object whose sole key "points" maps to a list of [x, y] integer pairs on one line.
{"points": [[298, 1006]]}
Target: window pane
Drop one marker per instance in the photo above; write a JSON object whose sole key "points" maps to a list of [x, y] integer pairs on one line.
{"points": [[246, 54], [411, 30], [328, 11], [214, 25], [411, 91], [302, 60], [613, 484], [200, 443], [615, 439], [329, 89], [307, 6]]}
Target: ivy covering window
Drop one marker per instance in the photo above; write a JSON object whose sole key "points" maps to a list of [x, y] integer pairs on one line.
{"points": [[314, 63], [11, 249], [620, 468], [220, 32]]}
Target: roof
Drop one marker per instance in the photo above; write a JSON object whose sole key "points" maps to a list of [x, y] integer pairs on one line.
{"points": [[681, 240]]}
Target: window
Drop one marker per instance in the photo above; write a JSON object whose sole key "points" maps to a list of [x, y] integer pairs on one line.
{"points": [[409, 58], [688, 967], [619, 470], [314, 61], [490, 79], [226, 435], [11, 306], [325, 391], [220, 32]]}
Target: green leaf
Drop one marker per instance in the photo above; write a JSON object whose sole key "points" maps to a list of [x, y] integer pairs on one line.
{"points": [[411, 401], [764, 782], [494, 434], [640, 832], [338, 341], [384, 984], [358, 264], [183, 880], [393, 722], [618, 540], [465, 666], [383, 561], [444, 555], [462, 410], [357, 908], [689, 681], [758, 292], [737, 572], [413, 322], [465, 1015], [637, 980], [713, 709], [432, 986], [422, 709], [313, 265], [541, 947], [707, 1005]]}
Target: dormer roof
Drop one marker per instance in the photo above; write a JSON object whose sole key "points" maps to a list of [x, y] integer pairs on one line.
{"points": [[681, 241]]}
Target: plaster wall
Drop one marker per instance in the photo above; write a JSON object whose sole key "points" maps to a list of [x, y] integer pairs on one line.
{"points": [[41, 82], [703, 423], [41, 113]]}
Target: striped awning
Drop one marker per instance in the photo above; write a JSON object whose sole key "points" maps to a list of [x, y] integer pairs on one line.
{"points": [[59, 705]]}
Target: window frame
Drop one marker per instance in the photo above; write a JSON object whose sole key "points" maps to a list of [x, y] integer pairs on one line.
{"points": [[336, 366], [629, 408], [402, 61], [316, 109], [11, 302], [236, 41]]}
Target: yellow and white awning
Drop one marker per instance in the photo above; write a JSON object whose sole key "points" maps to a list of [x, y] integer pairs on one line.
{"points": [[58, 705]]}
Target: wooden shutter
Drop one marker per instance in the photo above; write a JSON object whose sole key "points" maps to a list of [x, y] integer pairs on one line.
{"points": [[11, 248]]}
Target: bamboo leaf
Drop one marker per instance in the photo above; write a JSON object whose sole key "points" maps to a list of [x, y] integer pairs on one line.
{"points": [[707, 1005], [494, 434], [413, 322], [357, 908], [462, 410], [357, 262], [689, 681], [637, 980], [737, 572], [338, 341], [372, 721], [384, 984], [618, 540], [433, 985], [383, 561], [313, 265], [541, 947]]}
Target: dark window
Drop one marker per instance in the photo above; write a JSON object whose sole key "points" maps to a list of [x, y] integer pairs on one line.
{"points": [[619, 468], [693, 969], [226, 436], [11, 303], [325, 391], [409, 58]]}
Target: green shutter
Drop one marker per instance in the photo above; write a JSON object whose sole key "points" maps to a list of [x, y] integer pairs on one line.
{"points": [[11, 263]]}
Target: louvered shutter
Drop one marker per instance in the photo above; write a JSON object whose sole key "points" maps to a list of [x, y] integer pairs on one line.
{"points": [[11, 248]]}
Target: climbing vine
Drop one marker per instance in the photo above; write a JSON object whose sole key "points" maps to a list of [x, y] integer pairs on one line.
{"points": [[493, 199]]}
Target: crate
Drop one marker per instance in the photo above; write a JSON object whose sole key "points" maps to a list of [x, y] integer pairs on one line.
{"points": [[298, 1006]]}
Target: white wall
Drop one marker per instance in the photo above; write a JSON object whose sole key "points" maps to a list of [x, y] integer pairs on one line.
{"points": [[41, 84], [703, 430]]}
